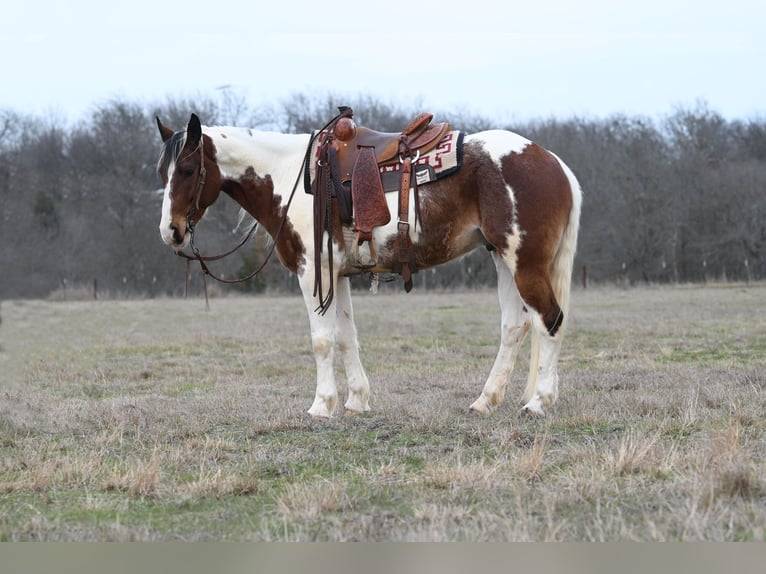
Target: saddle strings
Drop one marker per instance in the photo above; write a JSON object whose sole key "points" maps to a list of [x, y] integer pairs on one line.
{"points": [[323, 215]]}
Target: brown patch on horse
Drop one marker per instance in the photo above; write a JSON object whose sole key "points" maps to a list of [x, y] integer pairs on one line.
{"points": [[543, 202], [212, 177], [465, 210], [188, 197], [453, 213], [256, 196], [498, 212]]}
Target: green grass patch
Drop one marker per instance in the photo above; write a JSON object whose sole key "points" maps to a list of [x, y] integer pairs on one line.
{"points": [[112, 431]]}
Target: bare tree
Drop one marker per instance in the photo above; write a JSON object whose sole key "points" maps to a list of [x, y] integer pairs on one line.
{"points": [[678, 198]]}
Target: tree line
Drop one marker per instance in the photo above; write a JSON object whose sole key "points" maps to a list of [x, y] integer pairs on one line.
{"points": [[680, 198]]}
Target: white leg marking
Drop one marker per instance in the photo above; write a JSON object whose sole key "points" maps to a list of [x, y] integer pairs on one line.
{"points": [[348, 345], [547, 375], [514, 327], [323, 345]]}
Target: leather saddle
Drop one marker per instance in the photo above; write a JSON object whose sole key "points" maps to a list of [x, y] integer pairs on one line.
{"points": [[360, 152], [420, 136], [350, 160]]}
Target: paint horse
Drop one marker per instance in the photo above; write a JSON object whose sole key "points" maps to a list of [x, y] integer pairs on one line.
{"points": [[510, 196]]}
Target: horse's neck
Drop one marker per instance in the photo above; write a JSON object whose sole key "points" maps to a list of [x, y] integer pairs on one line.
{"points": [[268, 153], [245, 158]]}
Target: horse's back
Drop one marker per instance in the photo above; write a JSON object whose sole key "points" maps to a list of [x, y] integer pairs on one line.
{"points": [[499, 142]]}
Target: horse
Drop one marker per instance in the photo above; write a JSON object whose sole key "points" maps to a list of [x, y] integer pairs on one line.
{"points": [[511, 196]]}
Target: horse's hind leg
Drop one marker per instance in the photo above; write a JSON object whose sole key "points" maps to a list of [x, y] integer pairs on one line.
{"points": [[547, 316], [348, 346], [513, 328], [543, 386]]}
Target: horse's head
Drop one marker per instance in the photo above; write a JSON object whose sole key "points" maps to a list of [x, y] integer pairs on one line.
{"points": [[191, 177]]}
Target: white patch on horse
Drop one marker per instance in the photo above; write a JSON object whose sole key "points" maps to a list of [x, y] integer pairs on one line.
{"points": [[166, 220], [275, 150], [499, 143]]}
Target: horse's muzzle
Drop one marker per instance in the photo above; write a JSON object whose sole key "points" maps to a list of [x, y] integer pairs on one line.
{"points": [[174, 236], [178, 239]]}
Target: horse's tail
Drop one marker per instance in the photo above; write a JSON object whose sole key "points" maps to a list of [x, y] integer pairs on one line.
{"points": [[561, 280], [563, 262]]}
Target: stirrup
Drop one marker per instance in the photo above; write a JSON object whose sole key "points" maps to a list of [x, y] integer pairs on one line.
{"points": [[358, 263]]}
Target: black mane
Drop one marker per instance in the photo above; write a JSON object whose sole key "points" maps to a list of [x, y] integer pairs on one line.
{"points": [[171, 149]]}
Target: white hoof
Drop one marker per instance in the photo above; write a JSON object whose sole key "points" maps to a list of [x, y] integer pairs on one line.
{"points": [[353, 406], [534, 407], [353, 411], [321, 410], [480, 406]]}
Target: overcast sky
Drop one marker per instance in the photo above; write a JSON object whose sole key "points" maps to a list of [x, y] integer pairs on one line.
{"points": [[501, 59]]}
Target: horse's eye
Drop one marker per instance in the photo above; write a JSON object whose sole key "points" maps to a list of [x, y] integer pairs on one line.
{"points": [[188, 172]]}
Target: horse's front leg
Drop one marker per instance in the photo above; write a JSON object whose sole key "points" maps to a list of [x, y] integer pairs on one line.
{"points": [[348, 345], [323, 328]]}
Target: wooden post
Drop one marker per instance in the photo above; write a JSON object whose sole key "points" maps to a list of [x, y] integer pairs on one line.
{"points": [[95, 289], [584, 277]]}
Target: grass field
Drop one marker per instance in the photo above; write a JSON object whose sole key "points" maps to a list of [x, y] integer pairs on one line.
{"points": [[156, 420]]}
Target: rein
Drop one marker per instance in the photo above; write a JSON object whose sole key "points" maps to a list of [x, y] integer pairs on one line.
{"points": [[203, 259]]}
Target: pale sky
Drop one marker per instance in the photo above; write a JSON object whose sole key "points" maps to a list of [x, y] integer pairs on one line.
{"points": [[501, 59]]}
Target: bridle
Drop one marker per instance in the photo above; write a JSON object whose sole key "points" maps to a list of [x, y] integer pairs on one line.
{"points": [[201, 179]]}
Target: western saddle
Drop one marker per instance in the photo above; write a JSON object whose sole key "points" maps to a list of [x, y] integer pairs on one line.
{"points": [[419, 137], [348, 169]]}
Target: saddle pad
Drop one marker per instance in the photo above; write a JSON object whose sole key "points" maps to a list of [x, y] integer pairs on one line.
{"points": [[445, 159]]}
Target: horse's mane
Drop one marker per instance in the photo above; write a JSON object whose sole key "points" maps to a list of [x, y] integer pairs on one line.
{"points": [[170, 152]]}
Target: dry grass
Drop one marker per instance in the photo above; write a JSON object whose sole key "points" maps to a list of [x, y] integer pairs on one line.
{"points": [[154, 420]]}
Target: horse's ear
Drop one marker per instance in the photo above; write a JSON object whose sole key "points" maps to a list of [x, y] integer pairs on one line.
{"points": [[193, 130], [165, 131]]}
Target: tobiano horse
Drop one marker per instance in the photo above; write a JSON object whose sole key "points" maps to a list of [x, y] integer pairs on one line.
{"points": [[510, 196]]}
